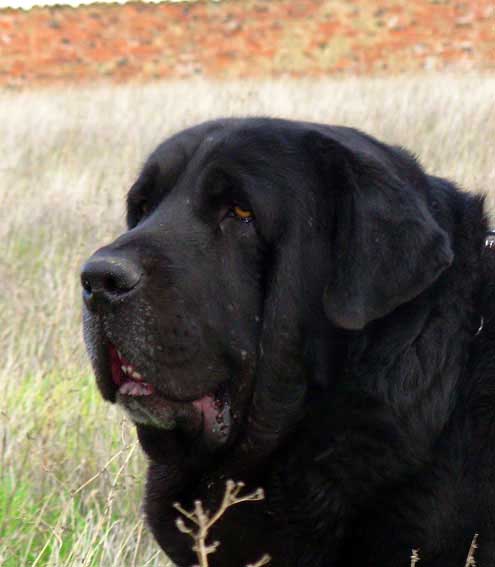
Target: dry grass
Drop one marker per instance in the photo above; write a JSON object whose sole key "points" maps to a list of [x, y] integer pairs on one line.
{"points": [[70, 472]]}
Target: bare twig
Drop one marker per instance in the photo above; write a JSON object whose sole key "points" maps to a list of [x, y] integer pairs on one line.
{"points": [[203, 521], [263, 561], [470, 561]]}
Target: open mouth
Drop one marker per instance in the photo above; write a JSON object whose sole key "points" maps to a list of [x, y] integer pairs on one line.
{"points": [[209, 415], [129, 381]]}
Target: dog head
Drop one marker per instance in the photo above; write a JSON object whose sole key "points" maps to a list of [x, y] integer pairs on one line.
{"points": [[248, 243]]}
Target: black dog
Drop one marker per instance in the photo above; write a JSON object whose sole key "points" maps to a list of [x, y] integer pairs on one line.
{"points": [[299, 307]]}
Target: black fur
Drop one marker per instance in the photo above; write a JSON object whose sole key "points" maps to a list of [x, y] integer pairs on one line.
{"points": [[343, 324]]}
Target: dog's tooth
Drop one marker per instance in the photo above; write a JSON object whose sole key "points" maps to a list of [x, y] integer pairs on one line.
{"points": [[136, 375], [125, 388], [124, 369]]}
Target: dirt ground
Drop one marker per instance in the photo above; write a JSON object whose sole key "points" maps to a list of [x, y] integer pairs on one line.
{"points": [[248, 38]]}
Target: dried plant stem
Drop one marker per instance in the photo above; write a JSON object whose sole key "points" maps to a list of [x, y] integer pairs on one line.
{"points": [[263, 561], [470, 561], [203, 522]]}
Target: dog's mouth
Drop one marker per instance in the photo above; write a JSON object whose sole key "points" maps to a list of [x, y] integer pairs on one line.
{"points": [[209, 416]]}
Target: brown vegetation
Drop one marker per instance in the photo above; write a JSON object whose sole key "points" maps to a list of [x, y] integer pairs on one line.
{"points": [[248, 38]]}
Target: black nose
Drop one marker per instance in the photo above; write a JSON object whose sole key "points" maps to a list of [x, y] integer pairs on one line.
{"points": [[107, 278]]}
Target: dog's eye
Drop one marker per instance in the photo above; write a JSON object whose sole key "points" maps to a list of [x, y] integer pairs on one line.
{"points": [[244, 215]]}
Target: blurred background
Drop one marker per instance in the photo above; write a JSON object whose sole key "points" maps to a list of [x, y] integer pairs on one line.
{"points": [[243, 38], [85, 93]]}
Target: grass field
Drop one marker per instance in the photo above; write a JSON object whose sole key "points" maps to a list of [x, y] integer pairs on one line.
{"points": [[71, 473]]}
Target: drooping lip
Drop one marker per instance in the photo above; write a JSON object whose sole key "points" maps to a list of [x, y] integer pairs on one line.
{"points": [[209, 415]]}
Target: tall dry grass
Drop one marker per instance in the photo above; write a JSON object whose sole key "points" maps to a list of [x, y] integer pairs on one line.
{"points": [[71, 474]]}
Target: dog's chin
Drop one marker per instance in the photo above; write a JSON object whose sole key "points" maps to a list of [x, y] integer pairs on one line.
{"points": [[206, 420]]}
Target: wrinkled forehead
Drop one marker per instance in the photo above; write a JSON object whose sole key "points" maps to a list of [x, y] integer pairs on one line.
{"points": [[169, 160], [245, 142], [263, 159], [225, 145]]}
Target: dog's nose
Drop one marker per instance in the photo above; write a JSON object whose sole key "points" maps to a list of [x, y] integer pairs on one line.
{"points": [[107, 278]]}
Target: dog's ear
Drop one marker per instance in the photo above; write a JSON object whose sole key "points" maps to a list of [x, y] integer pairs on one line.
{"points": [[386, 247]]}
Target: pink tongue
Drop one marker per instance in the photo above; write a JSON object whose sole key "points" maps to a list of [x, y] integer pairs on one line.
{"points": [[131, 388], [209, 409]]}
